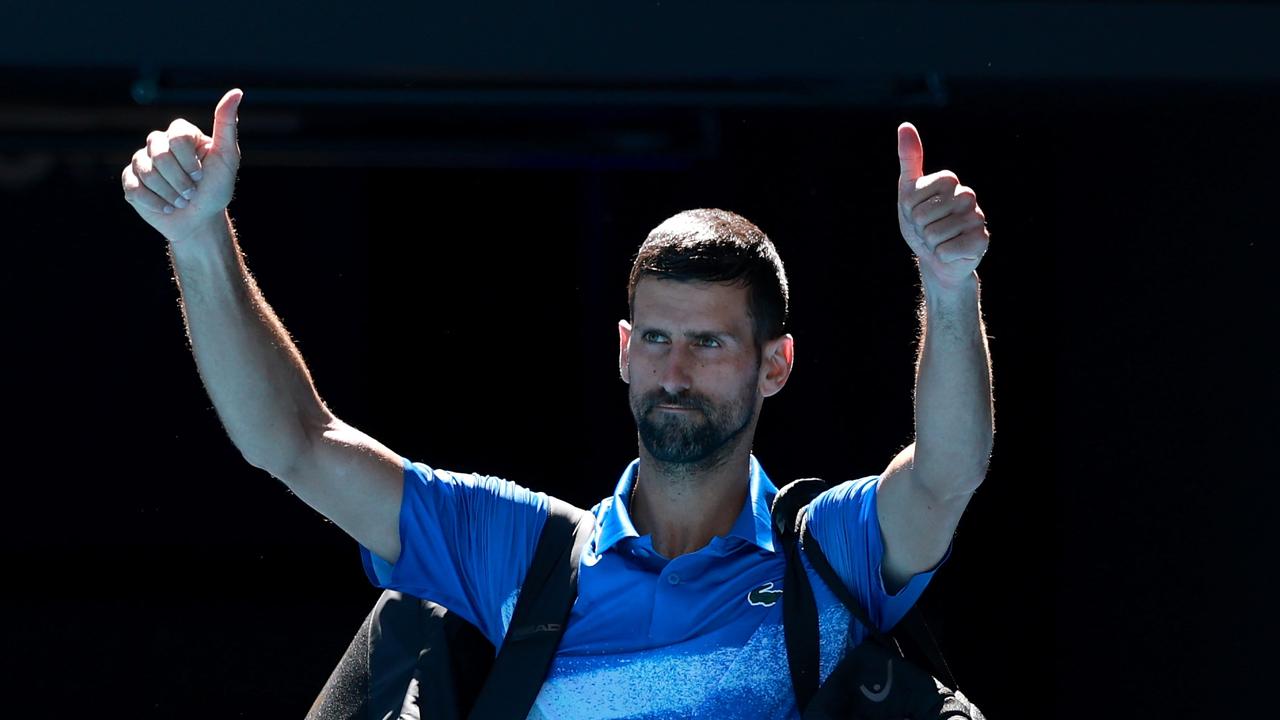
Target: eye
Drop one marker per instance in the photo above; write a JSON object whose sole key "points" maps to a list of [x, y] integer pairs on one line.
{"points": [[709, 342], [654, 337]]}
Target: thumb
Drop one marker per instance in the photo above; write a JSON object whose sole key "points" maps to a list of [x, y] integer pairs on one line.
{"points": [[910, 155], [225, 118]]}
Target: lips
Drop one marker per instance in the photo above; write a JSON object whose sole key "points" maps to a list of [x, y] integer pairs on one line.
{"points": [[662, 402], [676, 410]]}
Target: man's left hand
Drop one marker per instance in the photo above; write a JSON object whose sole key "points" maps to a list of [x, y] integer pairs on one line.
{"points": [[939, 218]]}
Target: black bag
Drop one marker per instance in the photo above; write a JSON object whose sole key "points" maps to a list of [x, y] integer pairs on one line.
{"points": [[411, 653], [874, 680]]}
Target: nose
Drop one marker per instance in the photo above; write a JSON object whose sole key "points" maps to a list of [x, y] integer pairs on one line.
{"points": [[675, 370]]}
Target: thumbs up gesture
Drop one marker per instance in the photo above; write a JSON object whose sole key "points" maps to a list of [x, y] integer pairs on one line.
{"points": [[183, 179], [939, 218]]}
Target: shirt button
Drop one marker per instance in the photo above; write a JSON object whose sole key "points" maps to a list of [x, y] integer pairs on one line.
{"points": [[674, 579]]}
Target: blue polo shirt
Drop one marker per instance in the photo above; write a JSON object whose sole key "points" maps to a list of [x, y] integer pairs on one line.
{"points": [[699, 635]]}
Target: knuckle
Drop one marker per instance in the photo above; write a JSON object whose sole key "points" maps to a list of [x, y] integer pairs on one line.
{"points": [[181, 142]]}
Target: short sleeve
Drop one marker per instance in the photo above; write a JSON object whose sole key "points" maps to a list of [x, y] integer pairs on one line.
{"points": [[844, 521], [465, 542]]}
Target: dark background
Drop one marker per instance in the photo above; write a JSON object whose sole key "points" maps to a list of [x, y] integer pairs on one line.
{"points": [[442, 203]]}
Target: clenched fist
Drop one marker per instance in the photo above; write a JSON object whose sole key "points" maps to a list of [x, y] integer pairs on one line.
{"points": [[183, 179], [939, 218]]}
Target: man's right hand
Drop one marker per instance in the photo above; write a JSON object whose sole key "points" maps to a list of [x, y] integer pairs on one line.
{"points": [[183, 179]]}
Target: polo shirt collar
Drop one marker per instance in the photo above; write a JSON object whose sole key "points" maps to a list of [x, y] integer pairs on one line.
{"points": [[754, 523]]}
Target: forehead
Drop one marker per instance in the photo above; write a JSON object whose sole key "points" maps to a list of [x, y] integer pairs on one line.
{"points": [[692, 304]]}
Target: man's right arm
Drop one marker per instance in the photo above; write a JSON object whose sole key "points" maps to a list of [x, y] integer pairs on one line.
{"points": [[181, 184], [268, 404]]}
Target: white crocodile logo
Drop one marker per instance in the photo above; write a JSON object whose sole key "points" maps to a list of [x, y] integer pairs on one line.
{"points": [[764, 596]]}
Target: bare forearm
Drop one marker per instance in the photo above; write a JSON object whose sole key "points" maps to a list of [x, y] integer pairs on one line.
{"points": [[252, 371], [953, 402]]}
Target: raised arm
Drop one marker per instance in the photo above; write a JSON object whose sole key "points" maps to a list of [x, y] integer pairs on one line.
{"points": [[925, 489], [181, 184]]}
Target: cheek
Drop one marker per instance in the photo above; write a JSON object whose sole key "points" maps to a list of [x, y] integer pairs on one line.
{"points": [[733, 378]]}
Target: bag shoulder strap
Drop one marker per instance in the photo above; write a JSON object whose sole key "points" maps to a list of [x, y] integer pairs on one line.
{"points": [[540, 616], [913, 622], [799, 608], [800, 615], [818, 559]]}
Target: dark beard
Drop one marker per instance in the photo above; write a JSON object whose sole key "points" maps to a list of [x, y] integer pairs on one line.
{"points": [[697, 438]]}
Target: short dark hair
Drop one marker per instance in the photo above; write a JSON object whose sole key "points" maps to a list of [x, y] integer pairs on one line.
{"points": [[718, 246]]}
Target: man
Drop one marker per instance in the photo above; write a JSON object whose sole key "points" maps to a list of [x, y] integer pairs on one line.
{"points": [[678, 610]]}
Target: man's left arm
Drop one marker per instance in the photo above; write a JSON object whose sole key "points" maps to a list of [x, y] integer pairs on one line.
{"points": [[925, 489]]}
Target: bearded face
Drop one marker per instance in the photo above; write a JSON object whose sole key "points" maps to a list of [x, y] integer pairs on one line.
{"points": [[689, 428], [693, 370]]}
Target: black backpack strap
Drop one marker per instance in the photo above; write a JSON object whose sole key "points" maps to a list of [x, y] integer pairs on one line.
{"points": [[800, 626], [913, 621], [540, 616], [818, 559], [799, 609]]}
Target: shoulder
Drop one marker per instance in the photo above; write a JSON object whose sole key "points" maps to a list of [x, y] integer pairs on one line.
{"points": [[857, 496], [830, 510], [469, 491]]}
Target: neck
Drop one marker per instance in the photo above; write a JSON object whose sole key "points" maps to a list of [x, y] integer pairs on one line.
{"points": [[684, 506]]}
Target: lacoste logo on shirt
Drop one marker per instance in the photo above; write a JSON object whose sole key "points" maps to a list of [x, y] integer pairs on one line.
{"points": [[764, 596], [880, 693]]}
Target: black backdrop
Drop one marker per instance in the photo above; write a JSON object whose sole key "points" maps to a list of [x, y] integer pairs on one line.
{"points": [[452, 266]]}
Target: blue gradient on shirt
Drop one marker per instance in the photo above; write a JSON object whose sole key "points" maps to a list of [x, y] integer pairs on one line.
{"points": [[639, 645]]}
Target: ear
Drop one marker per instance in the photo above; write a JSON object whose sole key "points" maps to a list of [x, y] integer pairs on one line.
{"points": [[777, 358], [624, 351]]}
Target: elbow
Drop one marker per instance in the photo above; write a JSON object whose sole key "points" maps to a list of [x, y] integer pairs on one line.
{"points": [[274, 464], [958, 485], [279, 453], [260, 460], [952, 475], [971, 472]]}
